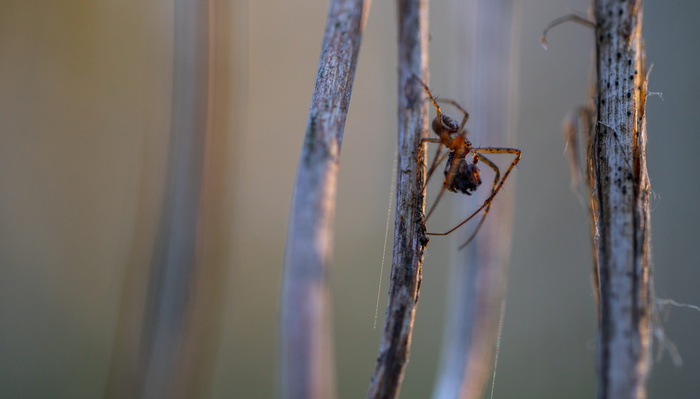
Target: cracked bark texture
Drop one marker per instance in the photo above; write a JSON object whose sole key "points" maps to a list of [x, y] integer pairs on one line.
{"points": [[620, 201], [409, 227]]}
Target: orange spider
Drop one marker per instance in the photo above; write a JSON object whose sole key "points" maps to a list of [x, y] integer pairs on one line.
{"points": [[462, 175]]}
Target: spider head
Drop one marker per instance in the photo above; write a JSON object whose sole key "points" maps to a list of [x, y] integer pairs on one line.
{"points": [[444, 123]]}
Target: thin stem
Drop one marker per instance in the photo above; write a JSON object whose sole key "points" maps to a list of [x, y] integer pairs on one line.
{"points": [[409, 229], [306, 365], [566, 18]]}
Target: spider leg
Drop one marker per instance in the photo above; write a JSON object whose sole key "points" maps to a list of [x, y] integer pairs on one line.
{"points": [[459, 107], [487, 202], [448, 181], [496, 179], [436, 161], [438, 110]]}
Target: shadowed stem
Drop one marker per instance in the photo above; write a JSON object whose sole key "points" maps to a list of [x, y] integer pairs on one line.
{"points": [[409, 230]]}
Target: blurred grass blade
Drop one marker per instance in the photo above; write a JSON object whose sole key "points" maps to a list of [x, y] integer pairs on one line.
{"points": [[478, 274], [168, 299]]}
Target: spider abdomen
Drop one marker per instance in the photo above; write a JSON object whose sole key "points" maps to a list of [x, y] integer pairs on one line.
{"points": [[466, 176]]}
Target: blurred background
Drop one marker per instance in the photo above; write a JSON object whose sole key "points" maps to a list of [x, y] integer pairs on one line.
{"points": [[85, 103]]}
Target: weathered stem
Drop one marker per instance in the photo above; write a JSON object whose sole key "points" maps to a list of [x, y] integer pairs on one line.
{"points": [[621, 198], [409, 229], [306, 365]]}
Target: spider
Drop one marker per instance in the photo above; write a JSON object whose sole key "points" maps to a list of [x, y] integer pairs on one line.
{"points": [[461, 174]]}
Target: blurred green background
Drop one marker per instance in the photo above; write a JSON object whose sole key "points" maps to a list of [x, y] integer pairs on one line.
{"points": [[85, 92]]}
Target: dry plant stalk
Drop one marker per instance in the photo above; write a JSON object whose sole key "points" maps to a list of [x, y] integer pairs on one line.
{"points": [[620, 200], [306, 365], [409, 229]]}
